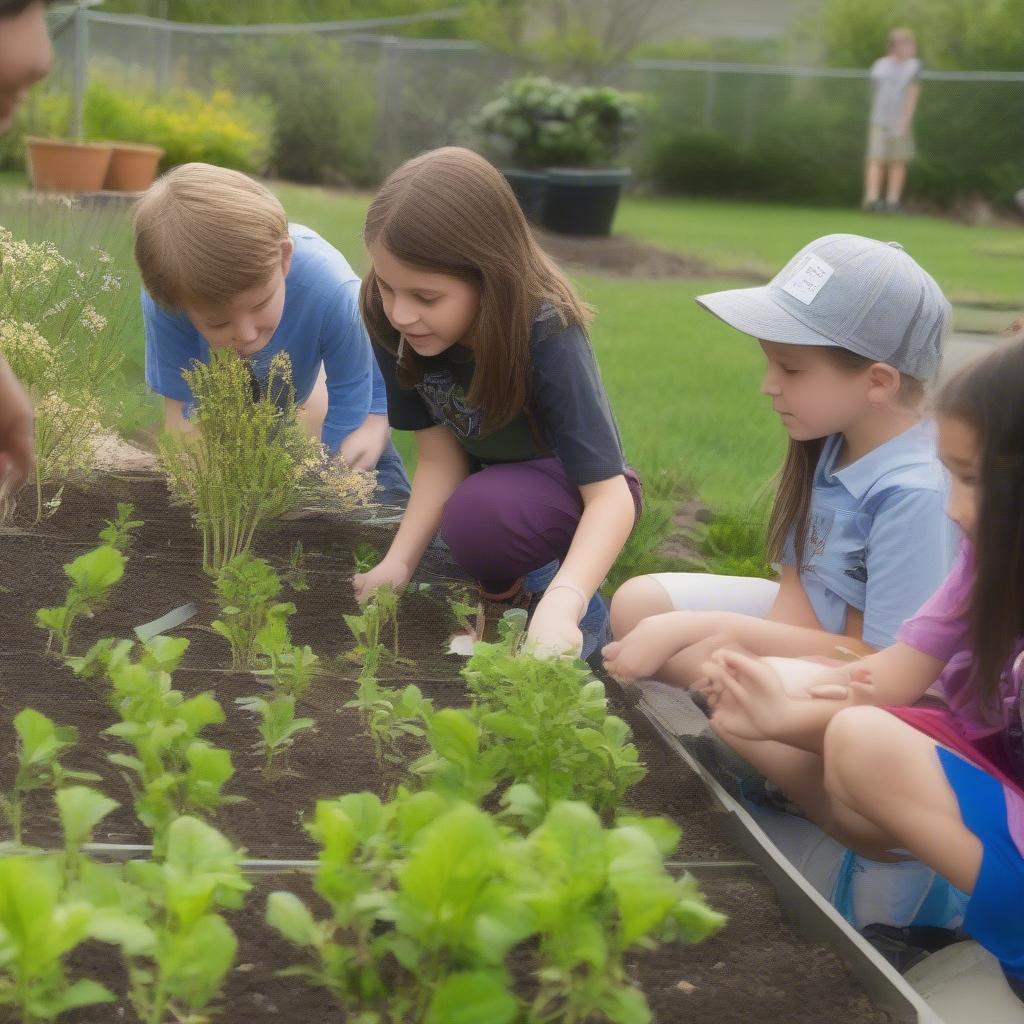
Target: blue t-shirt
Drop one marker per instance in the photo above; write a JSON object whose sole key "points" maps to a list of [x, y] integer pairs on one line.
{"points": [[878, 537], [320, 323]]}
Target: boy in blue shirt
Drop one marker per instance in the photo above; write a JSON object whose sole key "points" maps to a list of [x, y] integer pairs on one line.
{"points": [[222, 268]]}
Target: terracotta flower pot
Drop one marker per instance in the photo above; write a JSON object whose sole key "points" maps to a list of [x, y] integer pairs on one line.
{"points": [[132, 167], [67, 166]]}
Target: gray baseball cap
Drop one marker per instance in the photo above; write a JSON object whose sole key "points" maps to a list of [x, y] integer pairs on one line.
{"points": [[849, 292]]}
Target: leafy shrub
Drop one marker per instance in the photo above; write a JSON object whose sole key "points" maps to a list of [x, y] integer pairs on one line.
{"points": [[534, 122], [324, 101], [221, 128], [429, 897], [65, 351], [246, 463]]}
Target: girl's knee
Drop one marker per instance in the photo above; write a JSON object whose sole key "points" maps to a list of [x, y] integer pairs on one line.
{"points": [[858, 747], [637, 599], [467, 520]]}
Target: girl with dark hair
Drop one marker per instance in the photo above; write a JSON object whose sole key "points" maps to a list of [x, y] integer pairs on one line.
{"points": [[482, 343], [884, 774]]}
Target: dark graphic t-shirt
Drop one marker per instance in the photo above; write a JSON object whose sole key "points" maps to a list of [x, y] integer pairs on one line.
{"points": [[567, 411]]}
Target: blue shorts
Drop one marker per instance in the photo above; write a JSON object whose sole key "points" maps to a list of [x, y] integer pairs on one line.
{"points": [[995, 911]]}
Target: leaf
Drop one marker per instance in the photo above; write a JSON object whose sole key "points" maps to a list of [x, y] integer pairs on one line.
{"points": [[81, 810], [473, 997], [664, 833], [290, 916], [96, 571], [164, 653], [81, 993], [626, 1005], [199, 961], [118, 928], [454, 736]]}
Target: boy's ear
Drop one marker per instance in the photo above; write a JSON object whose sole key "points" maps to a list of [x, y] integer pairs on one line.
{"points": [[884, 382], [287, 248]]}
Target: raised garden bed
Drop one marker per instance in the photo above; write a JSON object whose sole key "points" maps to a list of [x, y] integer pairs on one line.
{"points": [[756, 969]]}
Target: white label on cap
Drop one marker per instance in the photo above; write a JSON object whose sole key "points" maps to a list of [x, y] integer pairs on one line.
{"points": [[808, 278]]}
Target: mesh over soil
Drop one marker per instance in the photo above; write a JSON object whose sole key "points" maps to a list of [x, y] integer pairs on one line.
{"points": [[756, 969]]}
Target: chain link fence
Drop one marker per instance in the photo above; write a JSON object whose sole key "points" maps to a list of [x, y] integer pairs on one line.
{"points": [[346, 102]]}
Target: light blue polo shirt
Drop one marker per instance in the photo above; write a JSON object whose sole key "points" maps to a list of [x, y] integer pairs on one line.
{"points": [[878, 539], [320, 323]]}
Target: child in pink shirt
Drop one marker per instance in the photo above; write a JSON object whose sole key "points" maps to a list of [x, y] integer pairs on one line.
{"points": [[945, 782]]}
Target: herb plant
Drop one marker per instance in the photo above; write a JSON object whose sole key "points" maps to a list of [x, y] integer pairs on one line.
{"points": [[172, 771], [40, 745], [295, 576], [247, 462], [429, 897], [278, 728], [247, 588], [92, 576], [194, 948], [120, 531]]}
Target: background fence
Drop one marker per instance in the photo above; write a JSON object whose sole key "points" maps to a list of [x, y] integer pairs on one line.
{"points": [[346, 102]]}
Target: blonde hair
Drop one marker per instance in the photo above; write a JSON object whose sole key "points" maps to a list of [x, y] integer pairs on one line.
{"points": [[205, 234], [900, 33], [451, 212]]}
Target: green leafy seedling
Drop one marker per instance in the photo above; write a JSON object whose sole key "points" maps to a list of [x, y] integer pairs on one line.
{"points": [[296, 576], [365, 556], [40, 746], [92, 575], [119, 532], [278, 728]]}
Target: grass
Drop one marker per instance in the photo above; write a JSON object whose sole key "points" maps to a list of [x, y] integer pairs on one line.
{"points": [[684, 386]]}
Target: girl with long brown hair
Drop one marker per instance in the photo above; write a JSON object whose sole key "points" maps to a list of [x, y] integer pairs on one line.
{"points": [[879, 771], [483, 346], [851, 329]]}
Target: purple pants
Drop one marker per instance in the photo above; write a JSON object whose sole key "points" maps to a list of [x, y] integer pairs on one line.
{"points": [[506, 520]]}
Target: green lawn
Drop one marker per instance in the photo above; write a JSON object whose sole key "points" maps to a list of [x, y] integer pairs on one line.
{"points": [[684, 386]]}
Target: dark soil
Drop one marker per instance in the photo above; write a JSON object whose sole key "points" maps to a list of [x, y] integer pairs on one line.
{"points": [[757, 969]]}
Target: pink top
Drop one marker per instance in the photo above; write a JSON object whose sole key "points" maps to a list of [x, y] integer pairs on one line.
{"points": [[941, 630]]}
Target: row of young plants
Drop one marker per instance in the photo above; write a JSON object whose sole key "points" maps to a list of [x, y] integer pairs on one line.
{"points": [[502, 880]]}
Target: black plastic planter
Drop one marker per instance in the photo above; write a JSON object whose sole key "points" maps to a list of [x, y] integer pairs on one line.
{"points": [[530, 188], [582, 201]]}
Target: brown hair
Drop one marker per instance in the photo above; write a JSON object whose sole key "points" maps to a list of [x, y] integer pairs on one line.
{"points": [[792, 503], [986, 395], [450, 212], [205, 234]]}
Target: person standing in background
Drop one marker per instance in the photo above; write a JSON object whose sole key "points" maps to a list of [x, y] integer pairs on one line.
{"points": [[895, 89]]}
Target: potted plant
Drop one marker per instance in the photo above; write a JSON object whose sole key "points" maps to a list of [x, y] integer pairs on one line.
{"points": [[558, 145], [61, 166]]}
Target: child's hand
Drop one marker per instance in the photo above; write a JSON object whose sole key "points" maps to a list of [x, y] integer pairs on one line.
{"points": [[752, 701], [638, 655], [364, 446], [389, 572], [553, 628], [849, 681]]}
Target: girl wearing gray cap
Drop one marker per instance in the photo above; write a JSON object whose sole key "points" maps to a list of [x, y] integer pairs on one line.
{"points": [[852, 328]]}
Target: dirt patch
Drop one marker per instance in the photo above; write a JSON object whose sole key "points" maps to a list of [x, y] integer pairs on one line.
{"points": [[757, 968], [621, 256]]}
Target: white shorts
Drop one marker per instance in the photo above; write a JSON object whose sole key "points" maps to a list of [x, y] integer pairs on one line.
{"points": [[705, 592]]}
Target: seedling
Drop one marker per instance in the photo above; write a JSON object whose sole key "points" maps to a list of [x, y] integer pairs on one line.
{"points": [[247, 461], [278, 728], [365, 556], [247, 588], [296, 577], [37, 931], [368, 627], [92, 576], [429, 896], [193, 947], [40, 746], [119, 532], [172, 771], [466, 613], [81, 809], [389, 715]]}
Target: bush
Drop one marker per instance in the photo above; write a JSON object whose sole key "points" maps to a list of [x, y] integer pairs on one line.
{"points": [[536, 123], [324, 103], [219, 129]]}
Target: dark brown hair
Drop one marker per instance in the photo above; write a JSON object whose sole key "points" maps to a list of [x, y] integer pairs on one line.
{"points": [[792, 503], [986, 395], [450, 212]]}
